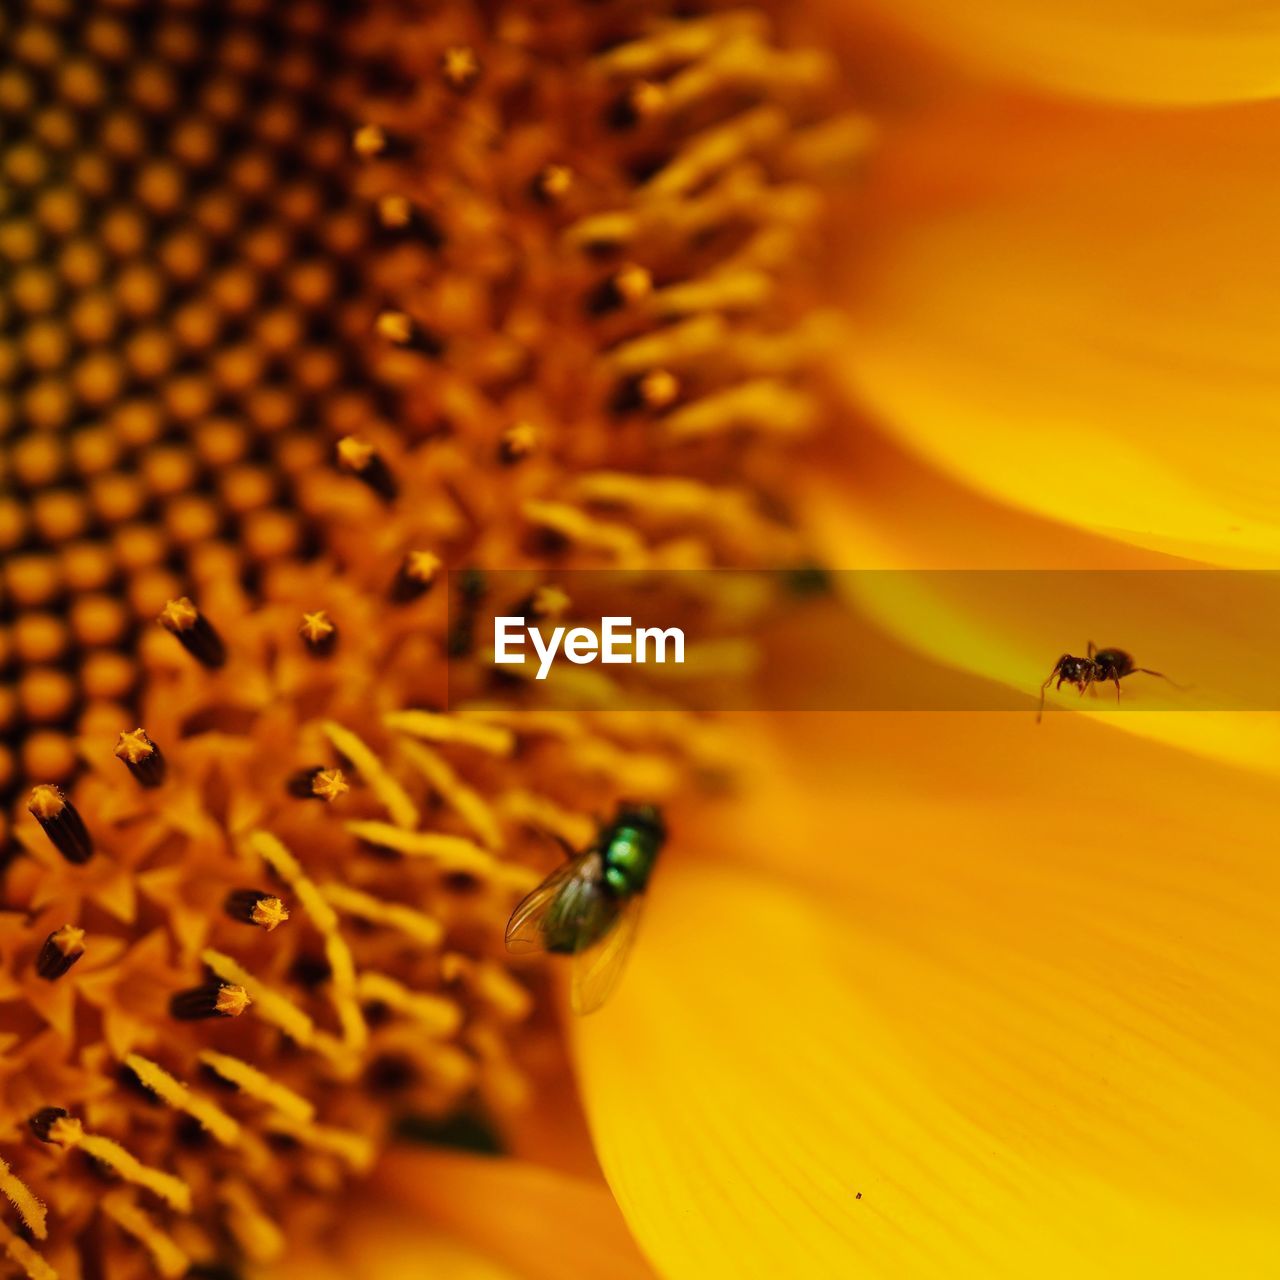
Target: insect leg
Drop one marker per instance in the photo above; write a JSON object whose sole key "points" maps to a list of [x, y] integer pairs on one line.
{"points": [[1146, 671], [1091, 650], [1057, 666]]}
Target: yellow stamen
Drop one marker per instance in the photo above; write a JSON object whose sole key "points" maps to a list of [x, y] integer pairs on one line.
{"points": [[560, 725], [210, 1117], [29, 1207], [491, 983], [272, 1007], [634, 772], [677, 345], [342, 984], [466, 802], [763, 405], [450, 853], [32, 1264], [738, 290], [435, 1014], [678, 42], [538, 811], [394, 915], [391, 795], [258, 1085], [434, 726], [170, 1261], [716, 149], [831, 145], [258, 1237], [354, 1148], [619, 541], [670, 497], [69, 1132]]}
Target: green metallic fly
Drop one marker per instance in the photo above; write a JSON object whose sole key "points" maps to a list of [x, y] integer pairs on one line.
{"points": [[589, 907]]}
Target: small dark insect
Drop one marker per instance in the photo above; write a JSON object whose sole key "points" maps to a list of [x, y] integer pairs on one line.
{"points": [[1098, 667]]}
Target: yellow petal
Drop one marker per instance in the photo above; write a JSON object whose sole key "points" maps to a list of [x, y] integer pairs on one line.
{"points": [[1170, 51], [1072, 311], [542, 1224], [389, 1246], [1029, 1018]]}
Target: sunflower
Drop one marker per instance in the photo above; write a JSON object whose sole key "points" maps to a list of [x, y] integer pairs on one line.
{"points": [[315, 303]]}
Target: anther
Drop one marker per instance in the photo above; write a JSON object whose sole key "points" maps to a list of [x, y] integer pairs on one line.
{"points": [[641, 101], [517, 443], [61, 822], [552, 184], [318, 783], [193, 631], [43, 1122], [402, 330], [212, 1000], [400, 219], [253, 906], [460, 67], [319, 633], [653, 391], [61, 950], [543, 604], [630, 284], [416, 576], [141, 757], [373, 142], [359, 458], [658, 389]]}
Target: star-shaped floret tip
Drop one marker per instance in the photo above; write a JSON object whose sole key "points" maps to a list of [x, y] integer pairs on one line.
{"points": [[460, 66], [134, 747], [329, 784], [194, 631], [319, 632], [61, 822], [179, 615], [141, 757]]}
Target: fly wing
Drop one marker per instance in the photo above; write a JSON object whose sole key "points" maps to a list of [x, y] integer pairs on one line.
{"points": [[524, 929], [597, 967]]}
